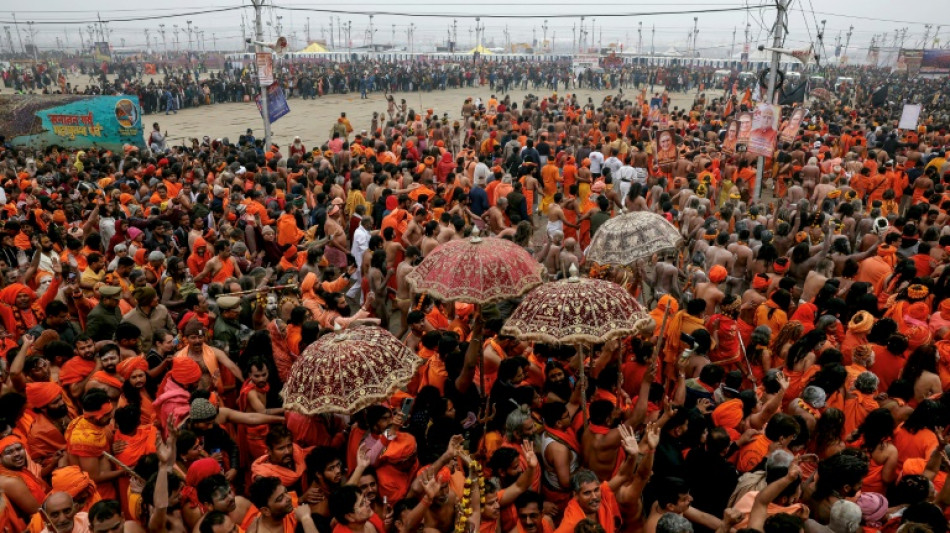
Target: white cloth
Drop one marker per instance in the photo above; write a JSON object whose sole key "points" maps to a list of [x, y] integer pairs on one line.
{"points": [[596, 162], [360, 244]]}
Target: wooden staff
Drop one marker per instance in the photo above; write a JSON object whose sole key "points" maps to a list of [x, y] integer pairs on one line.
{"points": [[261, 289], [122, 466]]}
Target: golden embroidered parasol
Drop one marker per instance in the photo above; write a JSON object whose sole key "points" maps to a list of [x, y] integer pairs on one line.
{"points": [[477, 270], [626, 238], [348, 370]]}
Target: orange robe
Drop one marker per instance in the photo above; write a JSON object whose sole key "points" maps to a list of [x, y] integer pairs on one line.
{"points": [[609, 509], [252, 436], [753, 453], [34, 484], [394, 480], [85, 439], [225, 272], [264, 468], [914, 445], [44, 438]]}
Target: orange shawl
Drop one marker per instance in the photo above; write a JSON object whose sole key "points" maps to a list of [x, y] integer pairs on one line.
{"points": [[137, 445], [609, 509], [262, 467]]}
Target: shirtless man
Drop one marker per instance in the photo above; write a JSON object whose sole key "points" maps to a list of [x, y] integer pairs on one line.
{"points": [[822, 190], [218, 265], [752, 298], [403, 300], [494, 218], [665, 277], [810, 175], [556, 218], [392, 248], [710, 291], [717, 254], [570, 255], [415, 230], [740, 269], [815, 279], [446, 229], [551, 259], [429, 240]]}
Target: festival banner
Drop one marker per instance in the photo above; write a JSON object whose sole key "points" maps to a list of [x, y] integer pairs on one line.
{"points": [[108, 122], [764, 132], [276, 103], [935, 62], [908, 60], [790, 131]]}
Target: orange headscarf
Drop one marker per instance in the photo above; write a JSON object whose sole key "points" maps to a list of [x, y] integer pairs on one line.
{"points": [[42, 393]]}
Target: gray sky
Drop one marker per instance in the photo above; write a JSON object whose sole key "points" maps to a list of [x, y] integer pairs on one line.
{"points": [[715, 35]]}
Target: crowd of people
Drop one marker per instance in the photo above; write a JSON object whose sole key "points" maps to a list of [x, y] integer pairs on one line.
{"points": [[787, 373]]}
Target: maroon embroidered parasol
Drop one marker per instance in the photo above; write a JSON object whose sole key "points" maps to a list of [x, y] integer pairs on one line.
{"points": [[477, 270], [348, 370], [575, 311]]}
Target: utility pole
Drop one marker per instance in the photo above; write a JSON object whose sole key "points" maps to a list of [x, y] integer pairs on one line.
{"points": [[581, 40], [847, 42], [652, 40], [371, 32], [455, 34], [189, 35], [308, 31], [574, 39], [923, 44], [695, 33], [393, 45], [146, 39], [478, 33], [161, 30], [349, 36], [732, 49], [32, 32], [214, 41], [544, 29], [640, 37], [175, 26], [259, 36], [19, 37], [781, 6], [82, 43], [412, 27]]}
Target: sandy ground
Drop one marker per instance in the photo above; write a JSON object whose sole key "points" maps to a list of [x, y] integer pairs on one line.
{"points": [[312, 119]]}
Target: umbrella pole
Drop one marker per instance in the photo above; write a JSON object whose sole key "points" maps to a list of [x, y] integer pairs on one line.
{"points": [[582, 383]]}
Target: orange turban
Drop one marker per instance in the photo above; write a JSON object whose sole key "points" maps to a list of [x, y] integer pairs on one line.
{"points": [[185, 371], [140, 257], [861, 323], [780, 265], [107, 379], [717, 274], [59, 216], [945, 309], [129, 366], [919, 311], [42, 393], [760, 281], [71, 480], [943, 349], [200, 470], [9, 440], [728, 414], [668, 301]]}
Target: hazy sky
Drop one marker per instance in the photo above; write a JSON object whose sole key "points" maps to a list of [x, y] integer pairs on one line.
{"points": [[715, 36]]}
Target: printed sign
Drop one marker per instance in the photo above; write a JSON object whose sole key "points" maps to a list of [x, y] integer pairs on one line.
{"points": [[764, 132], [276, 103], [265, 69], [909, 117], [109, 122]]}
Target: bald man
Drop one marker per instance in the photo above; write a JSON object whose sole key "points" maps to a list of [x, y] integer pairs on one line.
{"points": [[60, 515]]}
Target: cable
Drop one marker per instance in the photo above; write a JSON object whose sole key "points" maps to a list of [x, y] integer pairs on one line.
{"points": [[545, 16], [128, 19]]}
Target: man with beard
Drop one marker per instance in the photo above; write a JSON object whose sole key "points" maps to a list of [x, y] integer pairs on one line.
{"points": [[338, 312], [602, 438], [21, 309], [45, 440], [284, 460], [105, 316], [76, 372], [253, 399], [217, 495], [88, 436], [108, 378], [61, 516], [368, 484], [277, 508], [228, 330], [556, 385], [519, 427], [207, 357], [531, 518], [23, 488], [207, 422], [513, 481], [326, 466], [149, 315], [601, 500], [220, 267]]}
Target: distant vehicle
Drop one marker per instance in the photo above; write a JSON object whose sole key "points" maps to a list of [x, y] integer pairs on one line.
{"points": [[746, 80], [842, 80], [720, 77]]}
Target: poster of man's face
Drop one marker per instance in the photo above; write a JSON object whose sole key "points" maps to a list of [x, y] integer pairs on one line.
{"points": [[790, 131], [745, 126], [764, 118], [731, 138], [666, 147]]}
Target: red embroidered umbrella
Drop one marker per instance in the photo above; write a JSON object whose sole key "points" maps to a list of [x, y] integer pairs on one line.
{"points": [[477, 270], [575, 311], [348, 370]]}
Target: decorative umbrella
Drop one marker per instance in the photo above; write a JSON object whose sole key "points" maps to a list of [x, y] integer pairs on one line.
{"points": [[477, 270], [348, 370], [575, 311], [632, 236]]}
